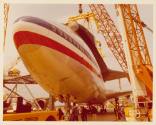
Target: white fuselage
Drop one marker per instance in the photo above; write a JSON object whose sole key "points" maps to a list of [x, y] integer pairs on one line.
{"points": [[58, 59]]}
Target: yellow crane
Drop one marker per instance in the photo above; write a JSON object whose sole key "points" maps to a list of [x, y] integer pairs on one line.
{"points": [[137, 45], [140, 65]]}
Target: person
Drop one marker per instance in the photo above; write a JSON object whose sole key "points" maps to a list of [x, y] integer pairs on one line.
{"points": [[6, 106], [67, 115], [116, 111], [60, 113], [84, 114], [21, 108], [74, 113], [41, 104], [121, 113]]}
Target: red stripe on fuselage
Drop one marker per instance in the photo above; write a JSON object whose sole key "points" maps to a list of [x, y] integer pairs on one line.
{"points": [[26, 37]]}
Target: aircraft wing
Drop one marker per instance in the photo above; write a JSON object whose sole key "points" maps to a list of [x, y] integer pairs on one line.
{"points": [[112, 75]]}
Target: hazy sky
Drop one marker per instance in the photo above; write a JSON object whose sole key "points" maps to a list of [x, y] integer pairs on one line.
{"points": [[60, 13]]}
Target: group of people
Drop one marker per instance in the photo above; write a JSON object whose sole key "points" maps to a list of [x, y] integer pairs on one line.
{"points": [[74, 113], [96, 109]]}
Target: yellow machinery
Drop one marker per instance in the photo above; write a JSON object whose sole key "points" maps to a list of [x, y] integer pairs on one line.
{"points": [[137, 46], [32, 116], [139, 58]]}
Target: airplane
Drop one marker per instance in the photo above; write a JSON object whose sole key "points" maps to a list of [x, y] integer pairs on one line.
{"points": [[63, 59]]}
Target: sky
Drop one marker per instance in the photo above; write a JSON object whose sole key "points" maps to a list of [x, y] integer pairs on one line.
{"points": [[60, 13]]}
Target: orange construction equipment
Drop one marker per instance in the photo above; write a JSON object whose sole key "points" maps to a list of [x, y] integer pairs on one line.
{"points": [[137, 46], [32, 116]]}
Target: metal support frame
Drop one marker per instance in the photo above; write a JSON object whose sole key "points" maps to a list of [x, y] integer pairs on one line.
{"points": [[11, 91], [137, 45], [14, 93], [112, 36], [35, 102]]}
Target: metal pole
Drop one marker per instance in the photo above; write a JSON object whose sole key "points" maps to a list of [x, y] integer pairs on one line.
{"points": [[36, 103], [11, 91], [15, 93]]}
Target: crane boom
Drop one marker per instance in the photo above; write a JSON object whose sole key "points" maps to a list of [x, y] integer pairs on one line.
{"points": [[112, 36], [141, 62]]}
